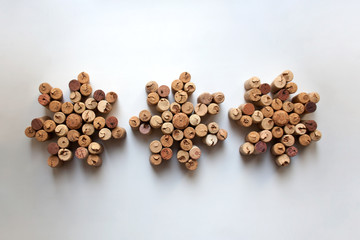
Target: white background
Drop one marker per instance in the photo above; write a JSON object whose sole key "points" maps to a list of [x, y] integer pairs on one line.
{"points": [[124, 44]]}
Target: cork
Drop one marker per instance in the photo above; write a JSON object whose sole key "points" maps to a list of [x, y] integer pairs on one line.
{"points": [[213, 127], [38, 123], [145, 128], [304, 140], [41, 136], [153, 98], [167, 128], [301, 98], [189, 87], [104, 106], [167, 116], [185, 77], [49, 126], [205, 98], [294, 118], [265, 88], [84, 141], [265, 136], [75, 96], [299, 108], [175, 108], [235, 113], [177, 85], [166, 141], [118, 133], [181, 97], [73, 135], [314, 97], [88, 129], [105, 134], [30, 132], [74, 85], [257, 116], [276, 104], [163, 91], [277, 132], [194, 120], [74, 121], [195, 153], [222, 134], [265, 100], [151, 86], [83, 77], [91, 104], [267, 124], [247, 148], [99, 95], [287, 75], [65, 154], [300, 129], [191, 164], [53, 148], [94, 160], [54, 162], [182, 156], [88, 116], [252, 95], [99, 122], [134, 122], [155, 159], [278, 149], [86, 89], [245, 121], [282, 94], [111, 97], [218, 97], [253, 82], [45, 88], [67, 108], [289, 129], [111, 122], [81, 153], [63, 142], [56, 94], [59, 117], [247, 108], [61, 130], [201, 109], [201, 130], [155, 146], [260, 147], [310, 107], [163, 105], [210, 140], [315, 135], [166, 153], [189, 133], [213, 108], [281, 118], [79, 107], [267, 111], [252, 137], [288, 140], [156, 121], [277, 84], [282, 160], [288, 106], [55, 106], [95, 148], [44, 99], [187, 108], [291, 151], [178, 135], [291, 87]]}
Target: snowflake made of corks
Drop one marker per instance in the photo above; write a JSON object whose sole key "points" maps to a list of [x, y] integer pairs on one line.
{"points": [[180, 121], [75, 124], [279, 117]]}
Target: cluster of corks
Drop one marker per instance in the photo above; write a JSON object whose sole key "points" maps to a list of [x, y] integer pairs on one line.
{"points": [[279, 117], [179, 121], [75, 124]]}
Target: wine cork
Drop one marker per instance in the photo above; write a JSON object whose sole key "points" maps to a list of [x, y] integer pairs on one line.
{"points": [[300, 129], [291, 151], [253, 82], [118, 133], [175, 108], [194, 120], [177, 85], [79, 107], [247, 108], [74, 85], [252, 95], [30, 132], [91, 104], [38, 123], [222, 134], [282, 94], [277, 132], [304, 140], [267, 111], [299, 108], [195, 153], [167, 128], [276, 104], [86, 89], [252, 137], [265, 88], [145, 128], [278, 84], [301, 98], [111, 97], [95, 148], [289, 129], [155, 146], [44, 99], [267, 124], [81, 153], [84, 141], [105, 134], [151, 86], [166, 153], [88, 116], [213, 127], [181, 97], [73, 135], [191, 164], [166, 141], [45, 88], [163, 105], [189, 87], [185, 77], [278, 149], [288, 140], [65, 154], [201, 109], [315, 135], [265, 136], [167, 116], [187, 108], [59, 117], [310, 107], [245, 121], [163, 91], [155, 159], [281, 118], [74, 121], [291, 87], [99, 122], [210, 140], [213, 108], [257, 116], [75, 96], [265, 100], [63, 142], [287, 75], [88, 129], [67, 108], [99, 95], [218, 97], [205, 98], [201, 130], [153, 98], [235, 113], [282, 160], [294, 118], [55, 106], [53, 148], [288, 106], [111, 122], [247, 148], [83, 77], [314, 97], [56, 94], [134, 122], [54, 162], [49, 126], [41, 135], [94, 160], [189, 133], [61, 130], [104, 106], [178, 135], [156, 121], [260, 147], [182, 156]]}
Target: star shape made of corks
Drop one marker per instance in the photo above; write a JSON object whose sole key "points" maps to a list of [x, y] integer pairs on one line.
{"points": [[279, 117], [179, 121], [77, 123]]}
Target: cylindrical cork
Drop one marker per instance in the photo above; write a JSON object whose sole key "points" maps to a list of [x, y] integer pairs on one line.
{"points": [[111, 97], [153, 98], [191, 164], [291, 151], [155, 146], [311, 125], [74, 121], [30, 132], [99, 123], [45, 88], [151, 86], [88, 129], [300, 129], [86, 89], [252, 137], [177, 85], [54, 162], [235, 113], [65, 154], [213, 127], [282, 94], [205, 98], [276, 104], [111, 122], [61, 130], [304, 140], [301, 98], [134, 122], [156, 121], [167, 128], [267, 124], [288, 106], [99, 95], [245, 121], [186, 144], [59, 117], [253, 82], [166, 153], [44, 99], [288, 140], [185, 77], [213, 108], [166, 141], [247, 108], [289, 129], [195, 153], [257, 116], [55, 106], [63, 142], [218, 97], [252, 95], [83, 77], [260, 147], [75, 96], [38, 123], [163, 91], [104, 106], [222, 134], [315, 135], [291, 87], [181, 97], [267, 111], [247, 148], [41, 136], [167, 116], [79, 107], [189, 87], [201, 130], [67, 108], [194, 119], [88, 116], [105, 134], [56, 94], [265, 136], [210, 140], [94, 160], [163, 105], [73, 135], [81, 153], [145, 128], [53, 148], [299, 108], [282, 160], [74, 85], [265, 88], [314, 97], [84, 141], [189, 133], [265, 100], [178, 135], [91, 104], [281, 118], [187, 108], [175, 108], [118, 133], [287, 75], [95, 148], [155, 159], [201, 109], [278, 149], [310, 107], [277, 132], [278, 84], [182, 156]]}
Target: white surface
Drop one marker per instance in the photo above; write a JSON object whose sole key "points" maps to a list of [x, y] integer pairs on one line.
{"points": [[221, 43]]}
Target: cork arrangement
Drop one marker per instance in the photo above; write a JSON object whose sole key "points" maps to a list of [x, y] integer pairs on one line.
{"points": [[279, 118], [179, 121], [76, 124]]}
